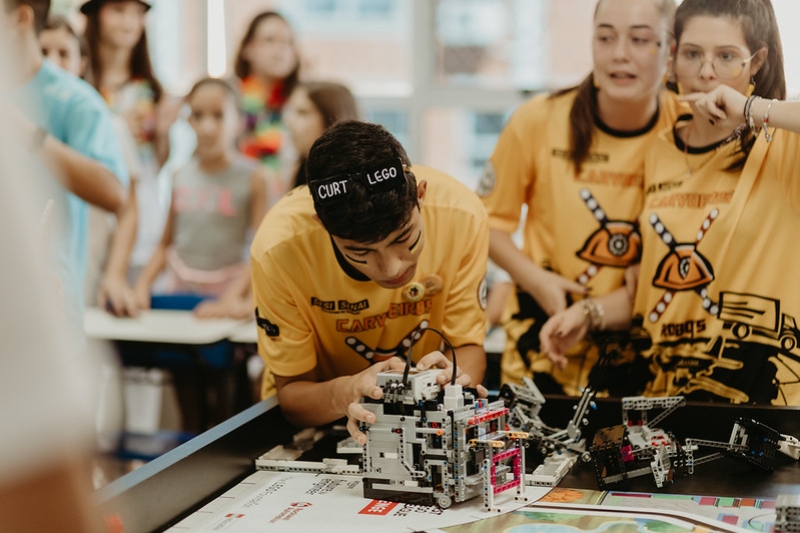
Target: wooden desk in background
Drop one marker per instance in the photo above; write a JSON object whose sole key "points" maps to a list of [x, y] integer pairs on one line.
{"points": [[159, 326], [181, 332]]}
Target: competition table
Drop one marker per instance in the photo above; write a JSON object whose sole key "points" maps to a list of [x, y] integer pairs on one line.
{"points": [[172, 486]]}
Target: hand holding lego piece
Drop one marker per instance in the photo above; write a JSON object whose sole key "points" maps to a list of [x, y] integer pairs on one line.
{"points": [[364, 384], [438, 360]]}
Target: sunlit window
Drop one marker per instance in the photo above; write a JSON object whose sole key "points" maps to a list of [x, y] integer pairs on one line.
{"points": [[441, 75]]}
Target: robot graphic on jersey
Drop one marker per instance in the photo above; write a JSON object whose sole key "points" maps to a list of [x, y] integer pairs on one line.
{"points": [[616, 243], [376, 355]]}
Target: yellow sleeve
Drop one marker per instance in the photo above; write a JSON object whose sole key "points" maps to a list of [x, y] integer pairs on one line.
{"points": [[510, 174], [465, 310], [789, 152], [285, 339]]}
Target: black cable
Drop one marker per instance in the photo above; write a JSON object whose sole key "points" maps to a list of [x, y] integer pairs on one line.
{"points": [[447, 344]]}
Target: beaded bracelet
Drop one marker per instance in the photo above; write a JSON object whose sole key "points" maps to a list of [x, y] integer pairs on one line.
{"points": [[765, 122]]}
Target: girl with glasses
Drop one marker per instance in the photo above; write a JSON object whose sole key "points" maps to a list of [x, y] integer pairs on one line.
{"points": [[717, 300]]}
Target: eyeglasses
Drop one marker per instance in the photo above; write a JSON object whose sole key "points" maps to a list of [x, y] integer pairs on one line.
{"points": [[727, 65]]}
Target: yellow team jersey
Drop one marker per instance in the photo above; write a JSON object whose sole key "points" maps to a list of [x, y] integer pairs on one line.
{"points": [[581, 226], [316, 312], [718, 295]]}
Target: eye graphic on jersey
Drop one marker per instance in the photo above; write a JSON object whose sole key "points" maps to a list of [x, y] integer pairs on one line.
{"points": [[616, 243], [683, 268], [376, 355]]}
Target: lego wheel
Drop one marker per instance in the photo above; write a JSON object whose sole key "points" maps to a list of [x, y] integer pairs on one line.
{"points": [[443, 500], [586, 457]]}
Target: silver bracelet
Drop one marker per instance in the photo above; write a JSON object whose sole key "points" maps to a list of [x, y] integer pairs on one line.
{"points": [[594, 313], [765, 122]]}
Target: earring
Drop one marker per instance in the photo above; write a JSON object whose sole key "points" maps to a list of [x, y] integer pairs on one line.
{"points": [[751, 88], [594, 82], [670, 81], [679, 87]]}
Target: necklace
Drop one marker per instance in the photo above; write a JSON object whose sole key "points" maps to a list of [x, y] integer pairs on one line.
{"points": [[735, 134]]}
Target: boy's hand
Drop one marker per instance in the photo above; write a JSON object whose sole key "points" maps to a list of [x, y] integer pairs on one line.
{"points": [[364, 384]]}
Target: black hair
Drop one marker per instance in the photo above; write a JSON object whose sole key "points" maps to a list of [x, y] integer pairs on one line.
{"points": [[760, 29], [40, 8], [352, 146]]}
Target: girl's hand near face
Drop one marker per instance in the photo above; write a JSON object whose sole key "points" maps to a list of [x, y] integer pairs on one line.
{"points": [[723, 106]]}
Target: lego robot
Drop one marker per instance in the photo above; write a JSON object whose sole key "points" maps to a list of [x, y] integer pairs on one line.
{"points": [[561, 448], [638, 448], [439, 445]]}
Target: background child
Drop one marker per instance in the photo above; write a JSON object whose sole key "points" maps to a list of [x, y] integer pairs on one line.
{"points": [[121, 70], [63, 46], [217, 197], [267, 67], [109, 243], [312, 108]]}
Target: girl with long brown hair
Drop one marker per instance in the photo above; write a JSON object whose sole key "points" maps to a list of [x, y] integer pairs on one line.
{"points": [[121, 70], [575, 158], [312, 108]]}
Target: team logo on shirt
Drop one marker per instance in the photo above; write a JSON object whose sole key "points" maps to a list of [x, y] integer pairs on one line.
{"points": [[616, 244], [591, 157], [340, 306], [414, 292], [684, 268], [428, 287], [487, 181], [272, 330]]}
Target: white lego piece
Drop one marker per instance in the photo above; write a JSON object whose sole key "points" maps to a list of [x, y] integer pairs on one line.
{"points": [[349, 446], [281, 453], [453, 397], [787, 513], [552, 470], [327, 466], [790, 446]]}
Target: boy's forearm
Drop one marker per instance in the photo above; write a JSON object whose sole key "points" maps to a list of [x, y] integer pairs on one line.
{"points": [[309, 404]]}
